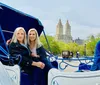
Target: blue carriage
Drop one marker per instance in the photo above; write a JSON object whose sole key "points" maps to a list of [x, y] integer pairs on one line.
{"points": [[9, 20], [11, 75]]}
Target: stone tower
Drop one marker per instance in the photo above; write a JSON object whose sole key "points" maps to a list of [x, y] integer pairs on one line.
{"points": [[63, 36], [67, 34], [59, 31]]}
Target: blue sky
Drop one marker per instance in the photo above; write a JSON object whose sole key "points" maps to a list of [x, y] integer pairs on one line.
{"points": [[83, 15]]}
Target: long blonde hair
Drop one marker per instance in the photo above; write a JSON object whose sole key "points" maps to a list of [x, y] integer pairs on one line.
{"points": [[37, 40], [14, 38]]}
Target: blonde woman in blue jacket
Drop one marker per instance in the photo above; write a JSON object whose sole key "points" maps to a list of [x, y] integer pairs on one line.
{"points": [[38, 52]]}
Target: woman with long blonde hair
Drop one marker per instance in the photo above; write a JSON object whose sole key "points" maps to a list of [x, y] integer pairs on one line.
{"points": [[38, 52]]}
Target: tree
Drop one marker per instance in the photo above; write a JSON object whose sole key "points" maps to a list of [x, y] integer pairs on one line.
{"points": [[54, 47]]}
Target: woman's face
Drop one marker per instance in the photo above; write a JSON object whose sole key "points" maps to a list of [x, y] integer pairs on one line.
{"points": [[20, 36], [32, 36]]}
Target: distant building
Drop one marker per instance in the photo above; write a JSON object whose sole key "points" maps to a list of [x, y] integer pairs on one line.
{"points": [[79, 41], [59, 31], [63, 34]]}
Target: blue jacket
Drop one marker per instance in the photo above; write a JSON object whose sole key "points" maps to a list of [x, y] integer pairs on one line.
{"points": [[41, 52]]}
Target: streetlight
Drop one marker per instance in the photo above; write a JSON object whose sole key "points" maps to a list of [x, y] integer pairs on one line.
{"points": [[85, 49]]}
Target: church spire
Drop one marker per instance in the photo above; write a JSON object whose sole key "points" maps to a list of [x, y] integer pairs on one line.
{"points": [[67, 24], [67, 29], [59, 25], [59, 28]]}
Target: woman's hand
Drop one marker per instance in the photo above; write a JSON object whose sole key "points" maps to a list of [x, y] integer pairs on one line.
{"points": [[35, 55], [39, 64], [8, 42]]}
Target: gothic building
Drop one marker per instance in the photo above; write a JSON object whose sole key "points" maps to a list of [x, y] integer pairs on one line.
{"points": [[63, 33]]}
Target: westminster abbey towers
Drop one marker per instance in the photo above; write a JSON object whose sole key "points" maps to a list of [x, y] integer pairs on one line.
{"points": [[63, 33]]}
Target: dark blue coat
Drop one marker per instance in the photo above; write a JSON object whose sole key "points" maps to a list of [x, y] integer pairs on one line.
{"points": [[16, 49], [41, 52], [35, 73]]}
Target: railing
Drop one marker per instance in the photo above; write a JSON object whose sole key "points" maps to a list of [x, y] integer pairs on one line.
{"points": [[66, 62]]}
